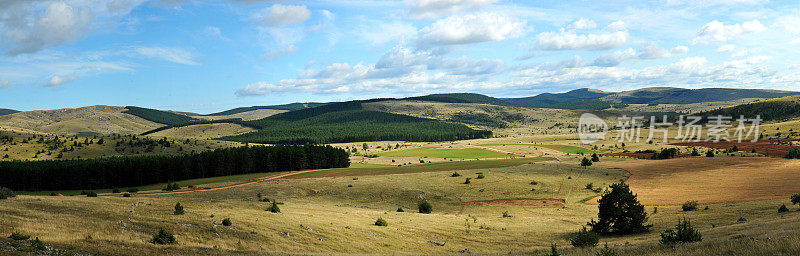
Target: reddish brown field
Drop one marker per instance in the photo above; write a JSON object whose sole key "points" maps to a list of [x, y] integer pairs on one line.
{"points": [[774, 148], [711, 180], [516, 202], [639, 155]]}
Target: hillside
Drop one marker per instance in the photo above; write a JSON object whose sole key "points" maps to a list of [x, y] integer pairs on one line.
{"points": [[5, 111], [84, 121], [461, 98], [284, 107], [158, 116], [779, 109], [247, 115], [548, 99], [669, 95]]}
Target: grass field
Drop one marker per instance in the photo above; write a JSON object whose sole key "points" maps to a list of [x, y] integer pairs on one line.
{"points": [[448, 153], [562, 148]]}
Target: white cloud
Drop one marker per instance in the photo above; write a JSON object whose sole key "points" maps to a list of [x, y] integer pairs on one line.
{"points": [[274, 54], [568, 40], [4, 84], [172, 54], [469, 29], [617, 25], [429, 9], [278, 14], [726, 48], [56, 80], [582, 24], [716, 31], [60, 23]]}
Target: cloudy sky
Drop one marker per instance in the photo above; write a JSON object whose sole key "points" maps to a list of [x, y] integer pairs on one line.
{"points": [[204, 56]]}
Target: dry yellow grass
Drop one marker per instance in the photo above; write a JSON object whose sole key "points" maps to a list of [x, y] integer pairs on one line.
{"points": [[93, 120], [202, 131]]}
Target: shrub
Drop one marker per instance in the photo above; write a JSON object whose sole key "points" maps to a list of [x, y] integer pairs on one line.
{"points": [[795, 199], [126, 195], [534, 183], [6, 193], [18, 236], [171, 186], [381, 222], [794, 154], [666, 153], [425, 207], [274, 208], [709, 153], [586, 162], [590, 186], [480, 176], [695, 153], [467, 181], [783, 209], [554, 250], [606, 251], [619, 212], [506, 215], [38, 244], [163, 237], [227, 222], [91, 194], [595, 158], [455, 174], [585, 238], [683, 233], [178, 209], [400, 209], [689, 206]]}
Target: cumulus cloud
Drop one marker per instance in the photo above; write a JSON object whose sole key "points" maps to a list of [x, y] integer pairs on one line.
{"points": [[470, 29], [582, 24], [60, 23], [429, 9], [274, 54], [171, 54], [569, 40], [56, 80], [716, 31], [278, 14], [399, 68]]}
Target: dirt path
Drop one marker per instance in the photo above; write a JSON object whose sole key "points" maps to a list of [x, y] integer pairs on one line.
{"points": [[229, 186]]}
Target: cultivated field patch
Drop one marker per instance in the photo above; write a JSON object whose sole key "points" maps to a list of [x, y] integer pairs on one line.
{"points": [[449, 153], [517, 202]]}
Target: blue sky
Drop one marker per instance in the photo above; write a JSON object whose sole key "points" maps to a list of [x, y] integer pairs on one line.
{"points": [[205, 56]]}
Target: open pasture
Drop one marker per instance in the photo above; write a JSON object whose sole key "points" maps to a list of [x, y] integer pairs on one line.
{"points": [[446, 153], [710, 180]]}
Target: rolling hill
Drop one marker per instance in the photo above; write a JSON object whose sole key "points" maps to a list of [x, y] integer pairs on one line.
{"points": [[84, 121], [158, 116], [5, 111], [545, 100], [461, 98], [285, 107], [779, 109]]}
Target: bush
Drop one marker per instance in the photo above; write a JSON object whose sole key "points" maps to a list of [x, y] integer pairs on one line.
{"points": [[794, 154], [585, 238], [227, 222], [683, 233], [783, 209], [590, 186], [171, 186], [163, 237], [126, 195], [606, 251], [467, 181], [689, 206], [455, 174], [178, 209], [695, 153], [6, 193], [480, 176], [274, 208], [381, 222], [534, 183], [619, 212], [399, 209], [554, 250], [91, 194], [595, 158], [18, 236], [795, 199], [38, 244], [709, 153], [425, 207], [586, 162]]}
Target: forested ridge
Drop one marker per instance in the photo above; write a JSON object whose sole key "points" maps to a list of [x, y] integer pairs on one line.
{"points": [[158, 116], [132, 171]]}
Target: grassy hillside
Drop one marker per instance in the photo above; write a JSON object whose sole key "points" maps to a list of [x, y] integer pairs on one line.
{"points": [[287, 107], [5, 111], [158, 116], [84, 121], [770, 110], [548, 99], [668, 95], [461, 98]]}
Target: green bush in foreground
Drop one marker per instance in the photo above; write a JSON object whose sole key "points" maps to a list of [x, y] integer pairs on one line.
{"points": [[795, 199], [18, 236], [227, 222], [554, 250], [274, 208], [783, 209], [425, 207], [381, 222], [163, 237], [585, 238], [455, 174], [689, 206], [683, 233], [178, 209], [400, 209], [606, 251], [619, 212]]}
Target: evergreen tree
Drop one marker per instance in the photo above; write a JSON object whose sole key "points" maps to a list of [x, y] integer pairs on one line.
{"points": [[178, 209], [586, 162], [620, 212]]}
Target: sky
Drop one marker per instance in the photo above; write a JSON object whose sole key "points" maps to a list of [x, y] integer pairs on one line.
{"points": [[207, 56]]}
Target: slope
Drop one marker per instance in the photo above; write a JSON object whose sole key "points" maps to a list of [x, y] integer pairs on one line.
{"points": [[84, 121]]}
